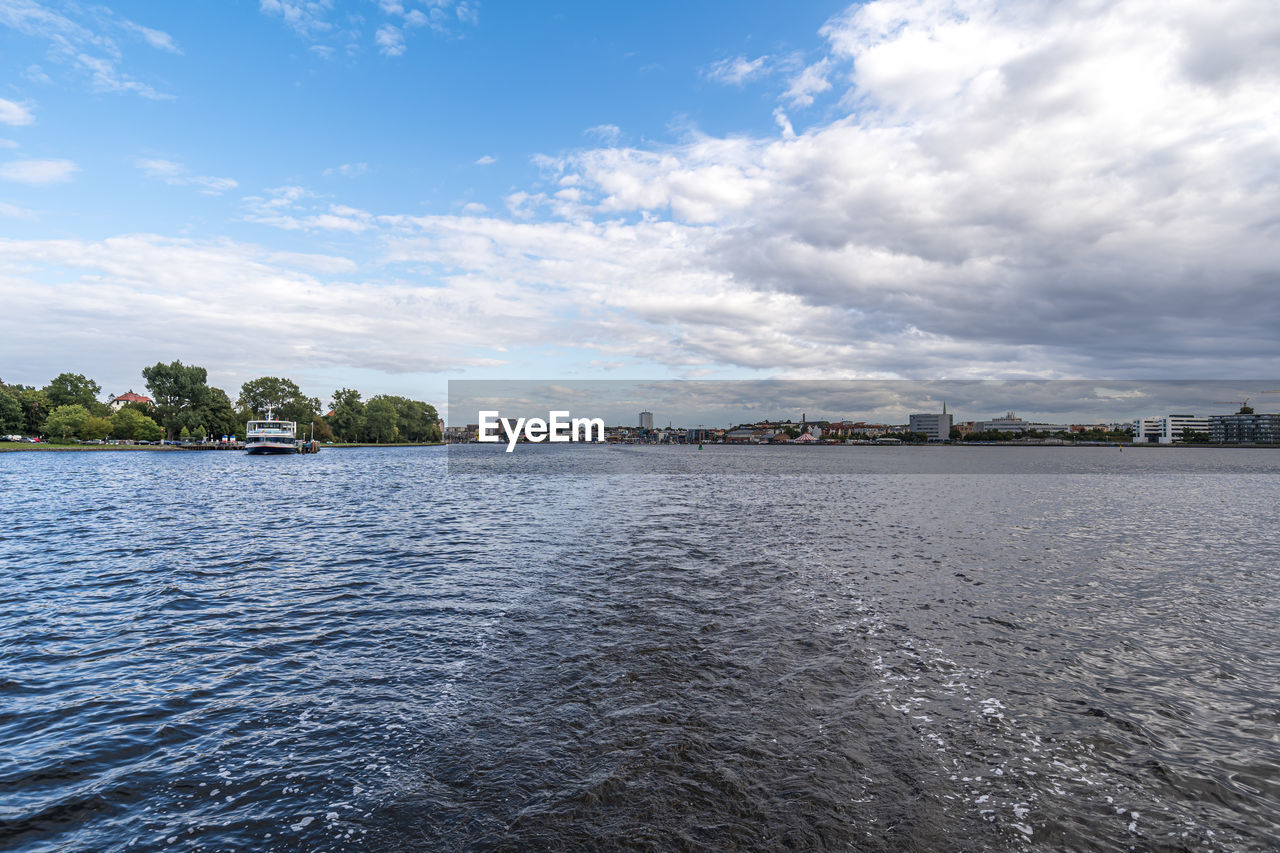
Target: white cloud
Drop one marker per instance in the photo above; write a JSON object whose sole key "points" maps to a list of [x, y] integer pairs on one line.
{"points": [[390, 40], [158, 39], [348, 170], [810, 82], [35, 172], [607, 134], [1041, 188], [8, 143], [321, 21], [85, 39], [736, 70], [293, 209], [486, 160], [13, 211], [13, 113], [305, 17], [323, 314], [176, 175]]}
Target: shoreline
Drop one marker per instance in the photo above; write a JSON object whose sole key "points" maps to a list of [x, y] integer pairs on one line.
{"points": [[46, 447]]}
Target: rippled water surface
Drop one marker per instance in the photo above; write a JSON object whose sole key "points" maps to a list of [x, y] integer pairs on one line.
{"points": [[652, 648]]}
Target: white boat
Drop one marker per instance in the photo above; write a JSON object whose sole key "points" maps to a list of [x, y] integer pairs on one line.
{"points": [[270, 436]]}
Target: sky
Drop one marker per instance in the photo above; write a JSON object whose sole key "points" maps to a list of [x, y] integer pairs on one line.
{"points": [[390, 194]]}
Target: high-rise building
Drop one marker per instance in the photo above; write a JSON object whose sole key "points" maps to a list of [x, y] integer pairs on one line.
{"points": [[646, 420]]}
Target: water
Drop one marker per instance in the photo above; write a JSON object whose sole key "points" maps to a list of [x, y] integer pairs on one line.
{"points": [[752, 648]]}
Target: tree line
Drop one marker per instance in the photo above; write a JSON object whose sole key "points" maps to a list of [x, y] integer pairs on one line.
{"points": [[186, 406]]}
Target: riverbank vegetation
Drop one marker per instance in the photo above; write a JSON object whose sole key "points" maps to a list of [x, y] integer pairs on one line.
{"points": [[184, 405]]}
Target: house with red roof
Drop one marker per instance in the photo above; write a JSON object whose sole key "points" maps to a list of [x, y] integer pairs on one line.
{"points": [[128, 397]]}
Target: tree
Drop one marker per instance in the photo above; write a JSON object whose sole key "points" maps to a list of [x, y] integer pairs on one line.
{"points": [[380, 421], [11, 419], [219, 417], [320, 430], [65, 421], [35, 408], [415, 420], [95, 428], [72, 389], [180, 392], [283, 395], [128, 423], [348, 414]]}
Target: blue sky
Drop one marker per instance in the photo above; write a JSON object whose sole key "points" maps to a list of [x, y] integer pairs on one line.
{"points": [[392, 193]]}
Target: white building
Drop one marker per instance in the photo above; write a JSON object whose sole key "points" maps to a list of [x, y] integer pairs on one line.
{"points": [[646, 420], [1166, 429], [1012, 423], [937, 427]]}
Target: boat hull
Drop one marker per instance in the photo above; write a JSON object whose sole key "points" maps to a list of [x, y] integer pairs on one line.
{"points": [[267, 448]]}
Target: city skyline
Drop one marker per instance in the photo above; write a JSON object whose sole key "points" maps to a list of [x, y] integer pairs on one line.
{"points": [[389, 195]]}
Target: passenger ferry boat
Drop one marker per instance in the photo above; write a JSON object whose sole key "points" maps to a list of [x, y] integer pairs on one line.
{"points": [[270, 436]]}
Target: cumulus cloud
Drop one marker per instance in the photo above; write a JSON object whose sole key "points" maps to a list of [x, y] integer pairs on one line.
{"points": [[36, 172], [321, 315], [15, 114], [176, 175], [1060, 185], [486, 160], [1038, 189]]}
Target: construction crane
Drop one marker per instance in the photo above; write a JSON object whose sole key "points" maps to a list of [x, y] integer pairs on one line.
{"points": [[1245, 408]]}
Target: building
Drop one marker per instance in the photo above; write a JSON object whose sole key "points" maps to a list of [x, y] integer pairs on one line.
{"points": [[1166, 429], [646, 420], [936, 427], [1013, 424], [1244, 429], [116, 403]]}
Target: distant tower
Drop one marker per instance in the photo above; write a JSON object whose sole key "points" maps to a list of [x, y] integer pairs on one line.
{"points": [[646, 420]]}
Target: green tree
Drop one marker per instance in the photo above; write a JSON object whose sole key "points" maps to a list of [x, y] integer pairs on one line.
{"points": [[380, 421], [320, 430], [415, 420], [180, 391], [219, 416], [35, 408], [65, 421], [11, 419], [95, 428], [131, 424], [282, 395], [348, 415], [72, 389]]}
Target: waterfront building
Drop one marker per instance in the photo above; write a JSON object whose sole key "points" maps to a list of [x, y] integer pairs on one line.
{"points": [[936, 427], [646, 420], [1166, 429], [1245, 428], [1013, 424]]}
